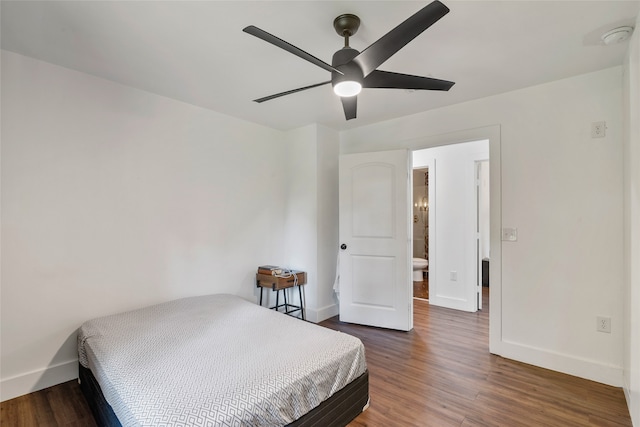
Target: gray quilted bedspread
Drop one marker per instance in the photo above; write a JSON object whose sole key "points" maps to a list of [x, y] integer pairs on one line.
{"points": [[215, 360]]}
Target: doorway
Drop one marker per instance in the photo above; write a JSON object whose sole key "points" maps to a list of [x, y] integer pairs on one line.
{"points": [[420, 238], [456, 233]]}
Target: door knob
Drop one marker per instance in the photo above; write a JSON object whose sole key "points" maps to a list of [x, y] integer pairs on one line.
{"points": [[343, 246]]}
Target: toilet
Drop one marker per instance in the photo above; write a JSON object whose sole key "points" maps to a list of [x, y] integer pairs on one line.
{"points": [[419, 264]]}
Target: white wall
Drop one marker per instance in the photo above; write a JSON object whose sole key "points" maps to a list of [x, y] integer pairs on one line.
{"points": [[563, 191], [452, 221], [301, 233], [312, 215], [632, 226], [113, 198], [328, 155]]}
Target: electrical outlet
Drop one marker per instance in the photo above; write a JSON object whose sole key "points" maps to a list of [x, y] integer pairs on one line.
{"points": [[603, 324], [598, 129], [510, 234], [453, 276]]}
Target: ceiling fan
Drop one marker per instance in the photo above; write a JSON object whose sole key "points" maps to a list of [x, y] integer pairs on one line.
{"points": [[352, 70]]}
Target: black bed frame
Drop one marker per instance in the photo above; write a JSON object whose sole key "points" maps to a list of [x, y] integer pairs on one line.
{"points": [[337, 411]]}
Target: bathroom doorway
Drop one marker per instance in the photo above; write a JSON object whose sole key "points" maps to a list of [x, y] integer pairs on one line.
{"points": [[421, 233]]}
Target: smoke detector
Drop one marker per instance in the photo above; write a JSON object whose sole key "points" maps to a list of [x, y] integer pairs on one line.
{"points": [[617, 35]]}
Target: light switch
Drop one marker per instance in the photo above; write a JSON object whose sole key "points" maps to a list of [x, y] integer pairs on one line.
{"points": [[510, 234]]}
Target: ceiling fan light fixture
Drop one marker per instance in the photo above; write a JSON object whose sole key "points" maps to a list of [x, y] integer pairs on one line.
{"points": [[347, 88], [351, 70]]}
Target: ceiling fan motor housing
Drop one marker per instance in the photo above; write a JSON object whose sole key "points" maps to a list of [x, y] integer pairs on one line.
{"points": [[342, 60]]}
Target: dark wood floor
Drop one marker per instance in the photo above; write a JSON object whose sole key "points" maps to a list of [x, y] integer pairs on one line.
{"points": [[440, 374], [421, 289], [61, 405]]}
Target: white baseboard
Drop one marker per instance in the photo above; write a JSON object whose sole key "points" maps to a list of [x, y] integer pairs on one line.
{"points": [[634, 408], [627, 397], [567, 364], [320, 314], [37, 380], [452, 303]]}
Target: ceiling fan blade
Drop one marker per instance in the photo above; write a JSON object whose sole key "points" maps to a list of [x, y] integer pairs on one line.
{"points": [[381, 50], [350, 105], [270, 38], [389, 80], [289, 92]]}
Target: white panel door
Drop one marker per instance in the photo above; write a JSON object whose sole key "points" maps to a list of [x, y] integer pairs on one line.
{"points": [[375, 261]]}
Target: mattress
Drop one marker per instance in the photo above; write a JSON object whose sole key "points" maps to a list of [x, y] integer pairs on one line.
{"points": [[215, 360]]}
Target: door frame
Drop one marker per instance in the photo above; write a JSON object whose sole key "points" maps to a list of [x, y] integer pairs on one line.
{"points": [[460, 161], [493, 134], [479, 193]]}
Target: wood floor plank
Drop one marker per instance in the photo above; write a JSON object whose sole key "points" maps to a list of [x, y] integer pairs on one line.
{"points": [[440, 374], [30, 410], [57, 406]]}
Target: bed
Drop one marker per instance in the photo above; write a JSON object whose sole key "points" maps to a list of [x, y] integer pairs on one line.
{"points": [[218, 360]]}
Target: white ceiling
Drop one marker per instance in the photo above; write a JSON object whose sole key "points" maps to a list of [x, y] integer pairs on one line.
{"points": [[196, 51]]}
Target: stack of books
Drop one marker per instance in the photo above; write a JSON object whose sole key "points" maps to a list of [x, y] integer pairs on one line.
{"points": [[270, 270]]}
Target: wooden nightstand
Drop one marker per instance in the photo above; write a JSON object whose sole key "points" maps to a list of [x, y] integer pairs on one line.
{"points": [[279, 283]]}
